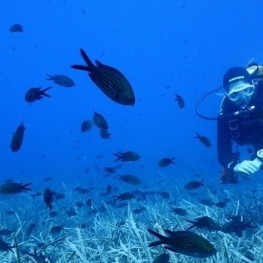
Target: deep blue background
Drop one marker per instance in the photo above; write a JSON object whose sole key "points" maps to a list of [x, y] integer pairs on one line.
{"points": [[162, 47]]}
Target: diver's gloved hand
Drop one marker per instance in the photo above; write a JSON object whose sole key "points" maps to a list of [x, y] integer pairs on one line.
{"points": [[248, 167]]}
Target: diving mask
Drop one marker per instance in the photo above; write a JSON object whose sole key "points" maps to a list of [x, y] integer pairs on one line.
{"points": [[239, 92]]}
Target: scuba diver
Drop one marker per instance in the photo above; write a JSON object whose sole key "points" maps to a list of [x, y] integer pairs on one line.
{"points": [[240, 121]]}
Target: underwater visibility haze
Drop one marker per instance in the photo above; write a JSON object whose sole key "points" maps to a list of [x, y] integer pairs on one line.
{"points": [[103, 158]]}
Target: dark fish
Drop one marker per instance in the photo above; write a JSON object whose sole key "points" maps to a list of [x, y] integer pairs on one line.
{"points": [[204, 140], [237, 226], [99, 121], [104, 134], [127, 156], [62, 80], [17, 138], [221, 204], [130, 179], [10, 212], [30, 229], [109, 170], [82, 190], [108, 190], [48, 198], [138, 210], [166, 161], [13, 188], [179, 211], [192, 185], [180, 101], [71, 212], [53, 213], [184, 242], [86, 126], [124, 196], [204, 222], [5, 246], [5, 232], [207, 202], [165, 195], [56, 230], [110, 81], [16, 28], [58, 196], [163, 258], [34, 94]]}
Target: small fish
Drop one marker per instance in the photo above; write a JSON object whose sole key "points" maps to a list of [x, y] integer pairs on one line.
{"points": [[192, 185], [163, 258], [17, 138], [58, 196], [48, 198], [127, 156], [109, 80], [86, 126], [108, 190], [204, 140], [30, 229], [221, 204], [179, 211], [16, 28], [56, 230], [62, 80], [165, 195], [184, 242], [180, 101], [5, 232], [109, 170], [34, 94], [82, 190], [237, 225], [207, 202], [99, 121], [130, 179], [204, 222], [124, 196], [138, 210], [13, 188], [166, 161], [5, 246], [71, 212]]}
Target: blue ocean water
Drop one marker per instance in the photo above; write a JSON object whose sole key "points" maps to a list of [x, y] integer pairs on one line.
{"points": [[162, 47]]}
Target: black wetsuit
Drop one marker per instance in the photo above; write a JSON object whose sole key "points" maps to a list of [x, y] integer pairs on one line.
{"points": [[245, 128]]}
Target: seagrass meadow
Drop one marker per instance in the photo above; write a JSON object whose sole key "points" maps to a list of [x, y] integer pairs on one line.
{"points": [[107, 232]]}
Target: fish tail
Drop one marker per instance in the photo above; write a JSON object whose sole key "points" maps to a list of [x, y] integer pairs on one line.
{"points": [[43, 92], [197, 135], [86, 58], [156, 243], [50, 77], [26, 186]]}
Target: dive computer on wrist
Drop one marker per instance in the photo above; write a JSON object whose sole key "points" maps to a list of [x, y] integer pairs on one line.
{"points": [[260, 155]]}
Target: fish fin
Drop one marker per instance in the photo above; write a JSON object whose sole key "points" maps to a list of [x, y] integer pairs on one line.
{"points": [[43, 92], [50, 77], [156, 243], [81, 67], [157, 235], [197, 135], [86, 58]]}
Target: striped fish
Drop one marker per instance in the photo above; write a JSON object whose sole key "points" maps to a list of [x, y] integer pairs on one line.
{"points": [[111, 81], [184, 242]]}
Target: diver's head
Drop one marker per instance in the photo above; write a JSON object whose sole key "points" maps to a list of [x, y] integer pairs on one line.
{"points": [[238, 85]]}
